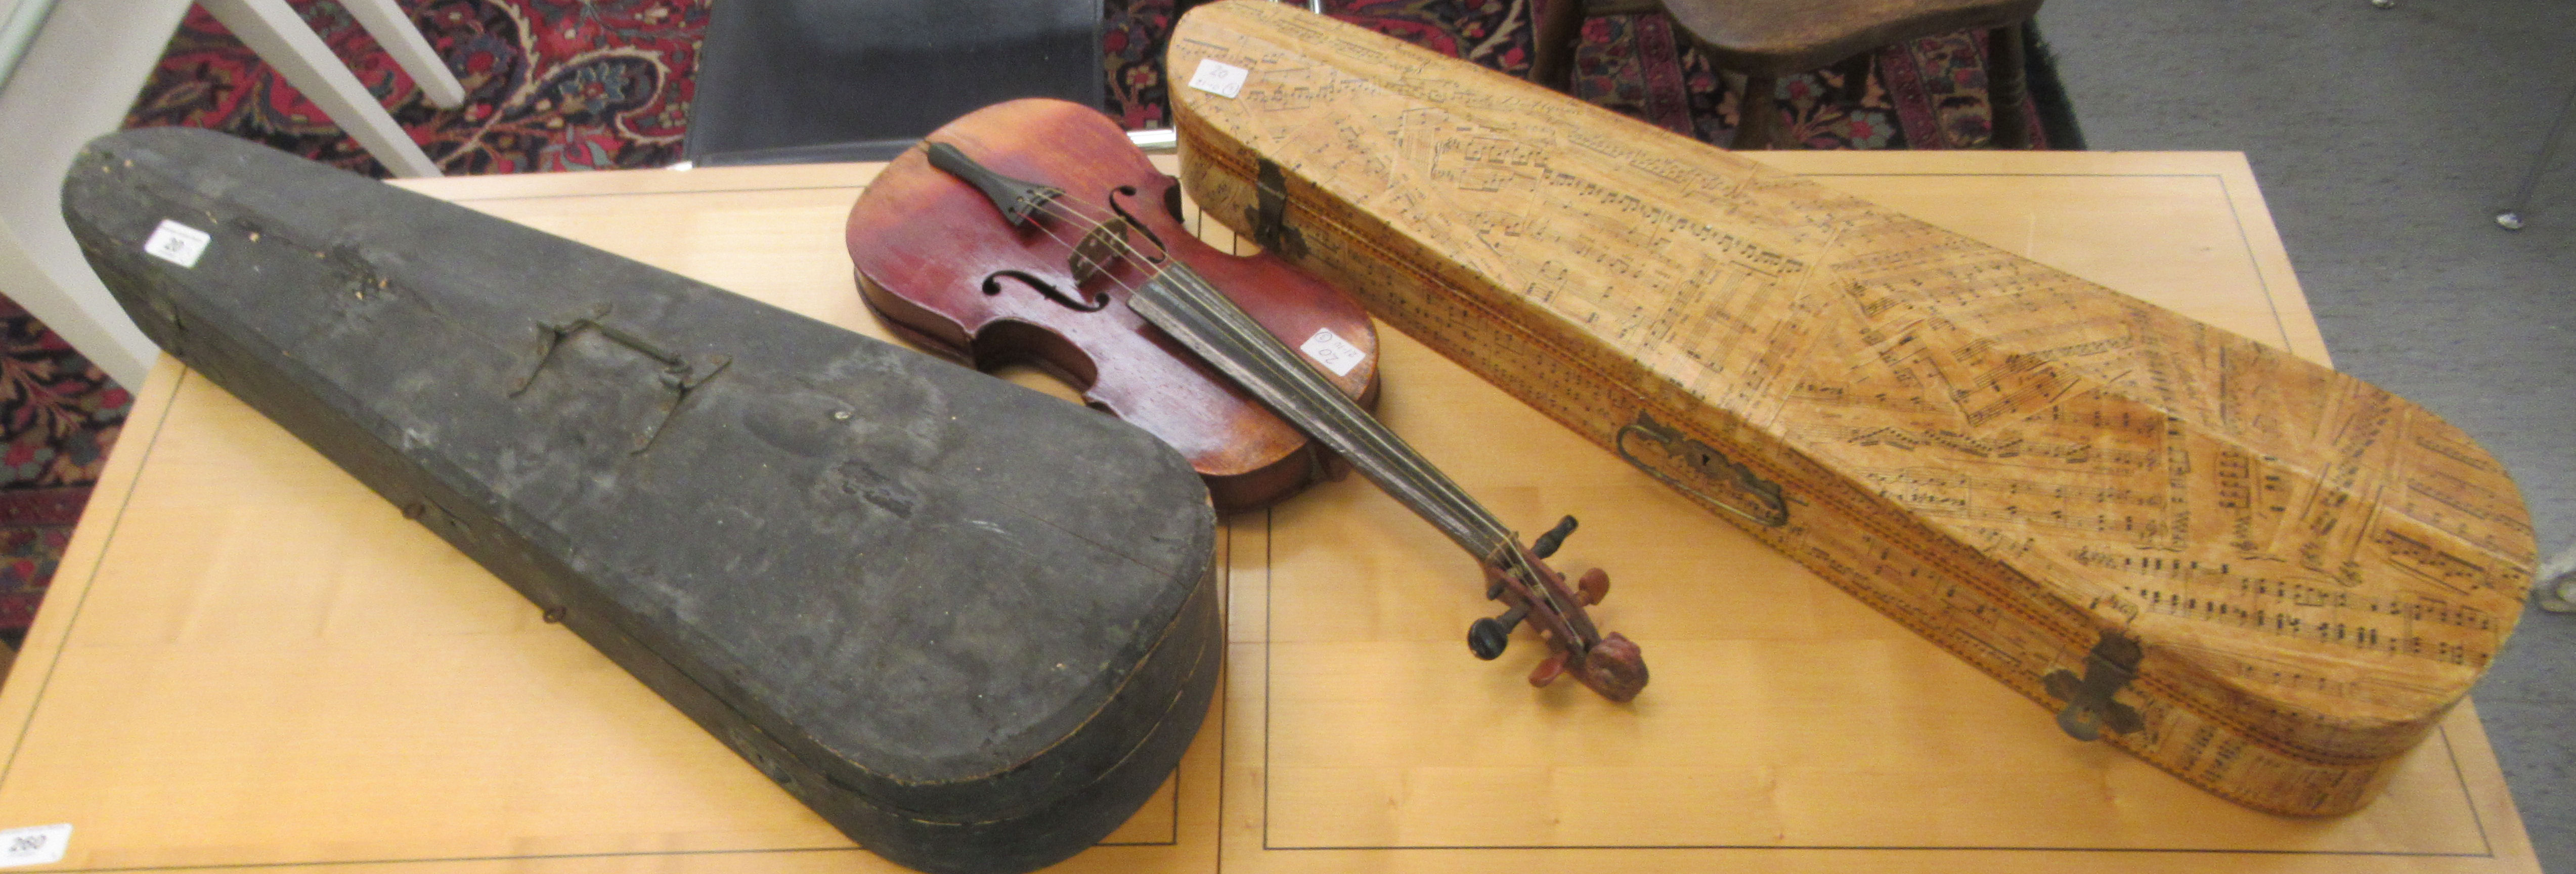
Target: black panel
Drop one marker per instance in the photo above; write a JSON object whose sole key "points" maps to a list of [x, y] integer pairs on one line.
{"points": [[785, 81]]}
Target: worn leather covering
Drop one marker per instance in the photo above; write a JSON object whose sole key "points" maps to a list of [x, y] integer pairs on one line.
{"points": [[972, 626]]}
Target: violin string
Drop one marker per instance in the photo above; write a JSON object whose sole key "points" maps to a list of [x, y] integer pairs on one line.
{"points": [[1425, 486], [1434, 485], [1249, 336], [1265, 363], [1434, 493], [1470, 524], [1432, 489], [1400, 470], [1408, 479]]}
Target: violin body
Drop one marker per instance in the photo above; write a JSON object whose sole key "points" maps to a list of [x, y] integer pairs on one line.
{"points": [[2266, 578], [940, 263]]}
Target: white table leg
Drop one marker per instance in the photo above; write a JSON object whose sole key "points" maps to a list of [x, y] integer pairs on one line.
{"points": [[402, 40], [273, 30]]}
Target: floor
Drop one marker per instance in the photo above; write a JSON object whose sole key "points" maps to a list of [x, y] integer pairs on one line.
{"points": [[2386, 140]]}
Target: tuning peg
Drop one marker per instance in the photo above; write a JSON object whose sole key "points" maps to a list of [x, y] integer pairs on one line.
{"points": [[1547, 543], [1548, 670], [1488, 636], [1594, 586]]}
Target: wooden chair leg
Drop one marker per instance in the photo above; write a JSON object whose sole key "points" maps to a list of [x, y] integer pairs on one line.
{"points": [[1756, 114], [1559, 28], [273, 31], [2005, 89], [400, 38]]}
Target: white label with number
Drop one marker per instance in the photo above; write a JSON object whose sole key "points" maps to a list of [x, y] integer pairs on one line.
{"points": [[1219, 78], [34, 845], [177, 243], [1333, 352]]}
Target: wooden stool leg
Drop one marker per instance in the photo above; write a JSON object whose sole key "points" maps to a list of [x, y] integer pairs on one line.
{"points": [[1756, 114], [1559, 28], [2005, 90]]}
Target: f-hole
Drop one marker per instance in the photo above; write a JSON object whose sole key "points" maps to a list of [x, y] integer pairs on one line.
{"points": [[993, 286], [1161, 252]]}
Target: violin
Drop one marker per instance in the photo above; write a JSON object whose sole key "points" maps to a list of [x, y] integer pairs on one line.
{"points": [[1130, 271], [1040, 284]]}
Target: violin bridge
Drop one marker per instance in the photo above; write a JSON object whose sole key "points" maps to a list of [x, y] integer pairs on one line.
{"points": [[1098, 249]]}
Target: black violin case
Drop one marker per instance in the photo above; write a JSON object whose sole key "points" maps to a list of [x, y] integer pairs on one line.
{"points": [[972, 626]]}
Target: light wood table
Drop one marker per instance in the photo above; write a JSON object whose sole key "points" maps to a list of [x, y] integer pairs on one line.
{"points": [[249, 661]]}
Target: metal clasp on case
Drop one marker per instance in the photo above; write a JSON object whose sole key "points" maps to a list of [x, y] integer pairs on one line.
{"points": [[2089, 707]]}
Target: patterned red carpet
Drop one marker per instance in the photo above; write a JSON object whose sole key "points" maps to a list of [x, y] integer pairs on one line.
{"points": [[602, 84], [549, 84], [59, 414]]}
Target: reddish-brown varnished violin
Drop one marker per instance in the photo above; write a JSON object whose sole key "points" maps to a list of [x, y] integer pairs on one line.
{"points": [[1026, 269], [1043, 286]]}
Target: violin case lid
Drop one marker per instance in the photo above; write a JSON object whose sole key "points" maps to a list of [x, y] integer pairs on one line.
{"points": [[972, 626]]}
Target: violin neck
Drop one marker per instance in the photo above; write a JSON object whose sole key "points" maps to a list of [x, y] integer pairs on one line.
{"points": [[1203, 319]]}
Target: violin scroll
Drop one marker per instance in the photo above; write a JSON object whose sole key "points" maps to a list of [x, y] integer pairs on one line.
{"points": [[1608, 664], [1615, 668]]}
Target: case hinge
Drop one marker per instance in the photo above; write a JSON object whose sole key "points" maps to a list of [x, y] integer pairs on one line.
{"points": [[2089, 706], [1270, 219]]}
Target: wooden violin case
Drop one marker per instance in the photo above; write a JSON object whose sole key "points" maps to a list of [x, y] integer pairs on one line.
{"points": [[2264, 577], [970, 625]]}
